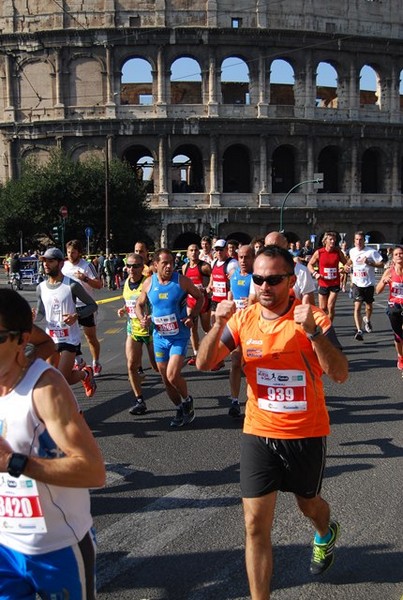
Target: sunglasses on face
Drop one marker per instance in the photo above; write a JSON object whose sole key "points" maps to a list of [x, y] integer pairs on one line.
{"points": [[270, 279], [5, 333], [133, 266]]}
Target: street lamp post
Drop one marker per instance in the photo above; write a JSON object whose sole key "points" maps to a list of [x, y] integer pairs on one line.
{"points": [[317, 180], [107, 249]]}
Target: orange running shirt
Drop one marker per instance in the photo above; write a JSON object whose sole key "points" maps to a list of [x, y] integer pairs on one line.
{"points": [[285, 390]]}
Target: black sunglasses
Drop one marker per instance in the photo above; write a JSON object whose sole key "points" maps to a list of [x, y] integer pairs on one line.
{"points": [[5, 334], [270, 279], [133, 265]]}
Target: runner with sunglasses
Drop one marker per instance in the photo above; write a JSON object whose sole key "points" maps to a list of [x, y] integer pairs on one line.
{"points": [[286, 347], [137, 335]]}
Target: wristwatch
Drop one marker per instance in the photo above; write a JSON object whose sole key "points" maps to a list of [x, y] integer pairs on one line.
{"points": [[318, 331], [17, 464]]}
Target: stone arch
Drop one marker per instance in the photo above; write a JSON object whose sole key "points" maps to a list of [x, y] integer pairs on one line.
{"points": [[142, 161], [326, 95], [136, 84], [282, 80], [187, 172], [36, 86], [235, 80], [186, 86], [39, 154], [86, 84], [376, 237], [369, 86], [83, 152], [329, 165], [371, 171], [183, 240], [236, 169], [283, 168], [240, 236]]}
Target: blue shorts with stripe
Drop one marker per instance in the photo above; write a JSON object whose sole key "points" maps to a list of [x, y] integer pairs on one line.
{"points": [[66, 573]]}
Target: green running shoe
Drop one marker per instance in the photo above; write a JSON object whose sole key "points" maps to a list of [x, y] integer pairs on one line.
{"points": [[323, 554]]}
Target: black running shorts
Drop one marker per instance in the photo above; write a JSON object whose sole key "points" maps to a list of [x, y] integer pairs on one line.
{"points": [[269, 465]]}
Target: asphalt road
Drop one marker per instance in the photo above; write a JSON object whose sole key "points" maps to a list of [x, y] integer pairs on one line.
{"points": [[169, 521]]}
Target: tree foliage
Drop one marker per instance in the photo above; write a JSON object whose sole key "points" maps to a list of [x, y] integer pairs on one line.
{"points": [[30, 206]]}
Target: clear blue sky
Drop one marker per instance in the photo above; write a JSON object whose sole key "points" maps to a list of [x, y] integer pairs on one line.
{"points": [[234, 69]]}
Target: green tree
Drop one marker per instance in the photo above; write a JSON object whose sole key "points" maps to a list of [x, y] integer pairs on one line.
{"points": [[32, 203]]}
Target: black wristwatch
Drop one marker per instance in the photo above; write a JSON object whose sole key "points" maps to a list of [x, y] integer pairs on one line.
{"points": [[17, 464], [318, 331]]}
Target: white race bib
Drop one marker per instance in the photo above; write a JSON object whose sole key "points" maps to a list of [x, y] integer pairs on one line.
{"points": [[20, 506], [281, 391]]}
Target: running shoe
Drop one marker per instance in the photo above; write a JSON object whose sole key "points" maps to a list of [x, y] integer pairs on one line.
{"points": [[192, 361], [358, 336], [400, 363], [89, 382], [178, 421], [235, 410], [141, 373], [97, 368], [323, 554], [79, 364], [367, 325], [188, 411], [138, 408]]}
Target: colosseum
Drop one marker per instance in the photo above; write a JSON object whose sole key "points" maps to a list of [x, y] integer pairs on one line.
{"points": [[236, 156]]}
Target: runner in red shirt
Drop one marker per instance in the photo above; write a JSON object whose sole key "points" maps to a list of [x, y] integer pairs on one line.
{"points": [[327, 260]]}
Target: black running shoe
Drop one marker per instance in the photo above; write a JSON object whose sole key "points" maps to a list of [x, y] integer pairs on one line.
{"points": [[188, 411], [178, 421], [138, 408]]}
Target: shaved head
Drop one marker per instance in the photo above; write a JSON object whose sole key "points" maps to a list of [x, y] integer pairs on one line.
{"points": [[276, 238]]}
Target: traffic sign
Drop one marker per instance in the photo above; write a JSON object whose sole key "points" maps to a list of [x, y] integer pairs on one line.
{"points": [[89, 232], [64, 211]]}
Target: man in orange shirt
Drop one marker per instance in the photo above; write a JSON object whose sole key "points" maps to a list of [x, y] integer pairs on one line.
{"points": [[286, 347]]}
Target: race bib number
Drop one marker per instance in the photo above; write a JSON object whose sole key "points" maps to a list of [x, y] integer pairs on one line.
{"points": [[220, 289], [397, 290], [59, 334], [167, 325], [281, 391], [131, 308], [360, 274], [241, 303], [20, 506], [330, 273]]}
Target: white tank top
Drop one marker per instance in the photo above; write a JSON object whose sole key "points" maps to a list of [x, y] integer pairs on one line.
{"points": [[58, 301], [66, 510]]}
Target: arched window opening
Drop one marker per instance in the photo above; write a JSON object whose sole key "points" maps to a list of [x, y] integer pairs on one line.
{"points": [[282, 83], [376, 237], [136, 83], [283, 169], [236, 170], [369, 87], [329, 165], [326, 86], [142, 162], [187, 170], [239, 236], [184, 240], [235, 81], [186, 81], [370, 172]]}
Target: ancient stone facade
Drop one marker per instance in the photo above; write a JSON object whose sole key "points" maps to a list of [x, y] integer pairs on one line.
{"points": [[220, 155]]}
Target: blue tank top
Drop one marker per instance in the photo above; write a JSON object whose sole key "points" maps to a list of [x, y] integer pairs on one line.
{"points": [[239, 285], [168, 307]]}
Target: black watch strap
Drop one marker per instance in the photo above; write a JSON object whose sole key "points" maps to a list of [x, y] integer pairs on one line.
{"points": [[17, 464]]}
